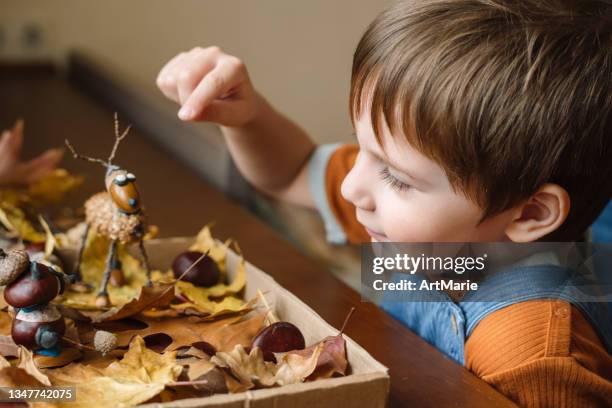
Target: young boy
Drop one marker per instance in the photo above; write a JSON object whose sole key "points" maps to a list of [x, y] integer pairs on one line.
{"points": [[477, 120]]}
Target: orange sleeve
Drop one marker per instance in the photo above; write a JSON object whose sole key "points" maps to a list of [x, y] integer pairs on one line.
{"points": [[328, 167], [542, 354]]}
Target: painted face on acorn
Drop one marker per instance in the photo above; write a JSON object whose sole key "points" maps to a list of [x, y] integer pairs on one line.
{"points": [[121, 185]]}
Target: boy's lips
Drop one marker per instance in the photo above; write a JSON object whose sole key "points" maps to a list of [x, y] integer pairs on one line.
{"points": [[376, 235]]}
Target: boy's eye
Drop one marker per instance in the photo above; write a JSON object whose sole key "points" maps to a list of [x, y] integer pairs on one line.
{"points": [[388, 178]]}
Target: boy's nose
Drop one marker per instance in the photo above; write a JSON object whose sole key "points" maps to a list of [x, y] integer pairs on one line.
{"points": [[356, 188]]}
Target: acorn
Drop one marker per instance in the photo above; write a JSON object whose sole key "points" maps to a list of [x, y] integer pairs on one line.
{"points": [[12, 264], [205, 273], [38, 328], [36, 286]]}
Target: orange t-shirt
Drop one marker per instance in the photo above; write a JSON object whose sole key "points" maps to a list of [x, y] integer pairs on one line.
{"points": [[539, 353]]}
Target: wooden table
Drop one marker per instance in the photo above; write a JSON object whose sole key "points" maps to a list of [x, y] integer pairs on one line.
{"points": [[180, 203]]}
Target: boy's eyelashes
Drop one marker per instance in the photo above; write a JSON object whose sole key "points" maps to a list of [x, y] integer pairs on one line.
{"points": [[391, 180]]}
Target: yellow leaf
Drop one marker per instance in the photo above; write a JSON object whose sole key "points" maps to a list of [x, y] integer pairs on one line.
{"points": [[138, 377], [200, 295], [228, 305], [249, 368], [52, 188], [15, 221], [205, 242], [142, 365], [92, 268]]}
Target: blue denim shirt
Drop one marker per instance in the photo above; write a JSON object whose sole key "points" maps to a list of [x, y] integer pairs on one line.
{"points": [[447, 325], [602, 227]]}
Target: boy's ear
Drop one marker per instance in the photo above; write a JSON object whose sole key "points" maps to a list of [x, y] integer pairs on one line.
{"points": [[540, 215]]}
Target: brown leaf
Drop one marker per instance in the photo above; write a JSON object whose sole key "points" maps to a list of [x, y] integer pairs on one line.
{"points": [[199, 368], [18, 377], [27, 363], [72, 313], [8, 348], [223, 334], [156, 296], [249, 369], [332, 359], [67, 356], [295, 368], [6, 323]]}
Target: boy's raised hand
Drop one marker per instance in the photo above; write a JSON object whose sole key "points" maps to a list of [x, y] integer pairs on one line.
{"points": [[209, 85]]}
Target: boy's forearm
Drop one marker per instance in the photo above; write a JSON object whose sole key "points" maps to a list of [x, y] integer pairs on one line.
{"points": [[270, 150]]}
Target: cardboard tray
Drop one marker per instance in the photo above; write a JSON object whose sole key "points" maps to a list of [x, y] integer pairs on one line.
{"points": [[367, 385]]}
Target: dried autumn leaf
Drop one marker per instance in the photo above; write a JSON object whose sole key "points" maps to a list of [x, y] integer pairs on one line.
{"points": [[5, 323], [198, 294], [8, 348], [52, 188], [148, 297], [249, 369], [229, 305], [92, 268], [332, 359], [17, 224], [14, 377], [295, 368], [27, 363], [222, 334], [198, 368], [68, 355], [205, 242], [145, 365], [138, 377]]}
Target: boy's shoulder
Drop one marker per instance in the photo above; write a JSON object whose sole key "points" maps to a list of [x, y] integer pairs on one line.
{"points": [[328, 166], [541, 347]]}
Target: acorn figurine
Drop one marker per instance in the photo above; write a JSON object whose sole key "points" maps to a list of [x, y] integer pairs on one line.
{"points": [[30, 286]]}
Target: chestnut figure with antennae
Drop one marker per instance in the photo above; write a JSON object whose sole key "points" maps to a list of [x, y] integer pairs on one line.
{"points": [[116, 214]]}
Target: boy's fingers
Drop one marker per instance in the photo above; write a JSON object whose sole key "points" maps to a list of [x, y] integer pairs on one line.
{"points": [[217, 83], [166, 79], [196, 66]]}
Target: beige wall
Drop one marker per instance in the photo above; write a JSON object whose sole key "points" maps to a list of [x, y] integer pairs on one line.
{"points": [[298, 52]]}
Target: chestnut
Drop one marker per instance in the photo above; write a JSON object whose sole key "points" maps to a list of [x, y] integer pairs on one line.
{"points": [[38, 328], [279, 337], [36, 286], [205, 273]]}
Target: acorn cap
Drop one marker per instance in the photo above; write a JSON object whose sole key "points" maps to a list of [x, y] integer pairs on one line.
{"points": [[12, 264], [104, 341]]}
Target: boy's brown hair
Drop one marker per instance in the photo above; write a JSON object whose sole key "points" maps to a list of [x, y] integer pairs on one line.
{"points": [[504, 95]]}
